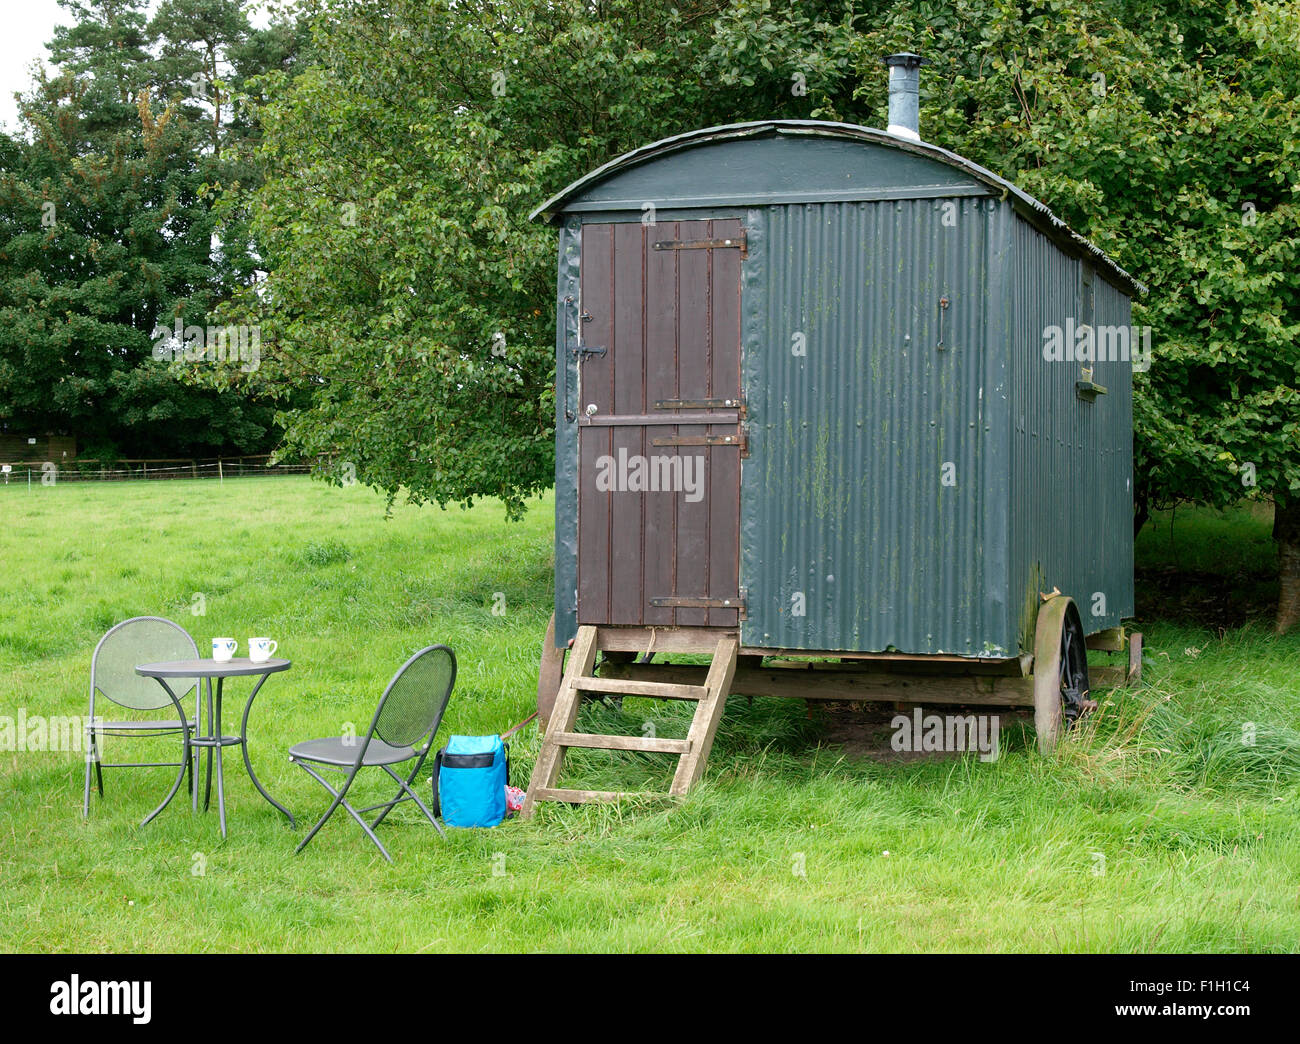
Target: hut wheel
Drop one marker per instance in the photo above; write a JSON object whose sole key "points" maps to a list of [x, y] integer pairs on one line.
{"points": [[1074, 671], [1061, 693]]}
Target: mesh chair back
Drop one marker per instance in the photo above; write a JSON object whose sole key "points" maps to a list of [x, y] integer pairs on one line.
{"points": [[143, 639], [414, 702]]}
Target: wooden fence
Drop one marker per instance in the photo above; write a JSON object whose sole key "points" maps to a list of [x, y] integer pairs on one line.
{"points": [[31, 473]]}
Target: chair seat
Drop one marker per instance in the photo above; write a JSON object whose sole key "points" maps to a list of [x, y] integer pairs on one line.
{"points": [[136, 726], [337, 751]]}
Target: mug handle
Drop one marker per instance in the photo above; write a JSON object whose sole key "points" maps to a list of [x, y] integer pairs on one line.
{"points": [[271, 647]]}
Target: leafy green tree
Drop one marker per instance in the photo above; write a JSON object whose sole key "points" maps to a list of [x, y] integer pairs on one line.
{"points": [[402, 164], [1165, 131], [400, 169]]}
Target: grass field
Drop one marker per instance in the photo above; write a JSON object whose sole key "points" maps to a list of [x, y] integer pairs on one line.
{"points": [[1154, 829]]}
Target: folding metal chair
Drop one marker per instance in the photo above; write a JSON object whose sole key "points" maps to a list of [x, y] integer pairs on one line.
{"points": [[142, 639], [404, 726]]}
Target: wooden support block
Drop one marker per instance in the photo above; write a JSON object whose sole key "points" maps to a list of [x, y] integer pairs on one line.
{"points": [[1135, 658], [550, 675], [1106, 677], [1112, 677], [1110, 640]]}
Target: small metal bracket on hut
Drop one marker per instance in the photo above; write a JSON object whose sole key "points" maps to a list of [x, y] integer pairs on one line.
{"points": [[1086, 388]]}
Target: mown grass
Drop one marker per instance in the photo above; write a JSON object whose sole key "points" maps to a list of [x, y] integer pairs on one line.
{"points": [[1155, 828]]}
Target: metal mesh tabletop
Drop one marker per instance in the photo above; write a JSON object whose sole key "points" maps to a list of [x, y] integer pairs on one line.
{"points": [[239, 667]]}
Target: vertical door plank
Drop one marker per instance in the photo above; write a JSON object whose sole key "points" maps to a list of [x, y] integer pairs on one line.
{"points": [[628, 358], [661, 383], [595, 377], [724, 464], [693, 371]]}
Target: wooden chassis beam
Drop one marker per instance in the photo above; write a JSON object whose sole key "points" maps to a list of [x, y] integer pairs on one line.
{"points": [[843, 682]]}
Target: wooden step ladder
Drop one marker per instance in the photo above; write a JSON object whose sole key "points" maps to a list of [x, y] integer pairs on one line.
{"points": [[711, 698]]}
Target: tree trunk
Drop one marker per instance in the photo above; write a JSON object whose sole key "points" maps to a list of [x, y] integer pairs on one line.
{"points": [[1141, 514], [1286, 533], [1141, 503]]}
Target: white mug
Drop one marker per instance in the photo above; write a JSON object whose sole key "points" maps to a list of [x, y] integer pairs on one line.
{"points": [[223, 648], [261, 649]]}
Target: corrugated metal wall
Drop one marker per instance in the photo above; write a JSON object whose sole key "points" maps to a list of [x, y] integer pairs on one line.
{"points": [[899, 495], [873, 502], [1071, 460], [567, 402]]}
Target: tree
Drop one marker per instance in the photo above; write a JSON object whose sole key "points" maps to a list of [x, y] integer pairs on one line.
{"points": [[1166, 133], [107, 236], [393, 219], [402, 164]]}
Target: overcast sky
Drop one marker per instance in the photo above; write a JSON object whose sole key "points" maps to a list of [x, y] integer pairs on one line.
{"points": [[28, 25]]}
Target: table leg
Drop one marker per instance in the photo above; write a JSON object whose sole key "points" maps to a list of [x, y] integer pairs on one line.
{"points": [[207, 787], [199, 683], [243, 743], [185, 754], [221, 789]]}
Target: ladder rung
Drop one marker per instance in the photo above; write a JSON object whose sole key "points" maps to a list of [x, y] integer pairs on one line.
{"points": [[650, 689], [601, 741], [581, 797]]}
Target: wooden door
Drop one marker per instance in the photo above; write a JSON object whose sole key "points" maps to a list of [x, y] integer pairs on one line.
{"points": [[660, 437]]}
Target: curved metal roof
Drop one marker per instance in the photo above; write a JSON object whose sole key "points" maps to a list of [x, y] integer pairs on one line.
{"points": [[1036, 211]]}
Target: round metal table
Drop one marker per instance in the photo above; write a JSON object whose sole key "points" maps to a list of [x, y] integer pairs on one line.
{"points": [[213, 739]]}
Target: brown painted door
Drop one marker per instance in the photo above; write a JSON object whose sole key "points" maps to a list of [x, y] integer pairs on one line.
{"points": [[659, 424]]}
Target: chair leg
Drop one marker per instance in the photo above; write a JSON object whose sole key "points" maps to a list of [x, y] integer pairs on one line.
{"points": [[338, 800], [414, 797], [401, 787], [99, 772], [92, 754]]}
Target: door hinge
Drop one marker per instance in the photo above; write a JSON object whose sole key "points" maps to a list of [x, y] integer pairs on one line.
{"points": [[734, 243], [736, 441], [736, 403]]}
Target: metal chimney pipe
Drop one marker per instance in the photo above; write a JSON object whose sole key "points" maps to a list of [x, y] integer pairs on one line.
{"points": [[904, 94]]}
